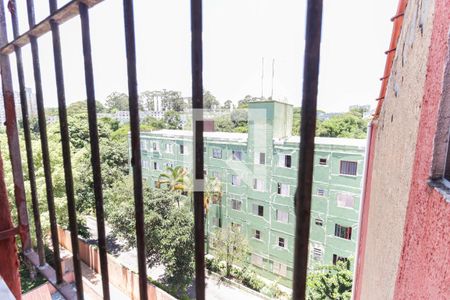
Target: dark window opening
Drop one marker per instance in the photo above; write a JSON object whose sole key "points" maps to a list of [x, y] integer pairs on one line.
{"points": [[343, 232], [348, 167], [322, 161]]}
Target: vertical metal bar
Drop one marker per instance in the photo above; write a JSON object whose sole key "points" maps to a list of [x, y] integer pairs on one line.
{"points": [[135, 144], [65, 142], [95, 151], [13, 137], [27, 135], [197, 105], [44, 144], [306, 160]]}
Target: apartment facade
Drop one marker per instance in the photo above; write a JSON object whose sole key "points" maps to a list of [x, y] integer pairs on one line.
{"points": [[258, 172]]}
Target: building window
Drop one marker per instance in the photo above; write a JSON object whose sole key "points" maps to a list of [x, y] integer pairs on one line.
{"points": [[155, 165], [155, 146], [320, 192], [181, 149], [260, 158], [145, 164], [169, 148], [236, 204], [343, 232], [235, 180], [318, 222], [169, 165], [283, 189], [281, 242], [257, 234], [317, 253], [345, 200], [257, 260], [144, 145], [337, 258], [285, 161], [348, 167], [258, 210], [217, 153], [282, 216], [323, 161], [258, 184], [236, 154], [279, 268]]}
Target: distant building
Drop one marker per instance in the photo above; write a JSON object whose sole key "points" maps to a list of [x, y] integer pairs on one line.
{"points": [[31, 103], [258, 171]]}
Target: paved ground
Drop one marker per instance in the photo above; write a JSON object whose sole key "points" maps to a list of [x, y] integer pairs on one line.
{"points": [[214, 290]]}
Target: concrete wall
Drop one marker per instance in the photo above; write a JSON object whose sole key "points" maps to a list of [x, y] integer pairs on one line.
{"points": [[424, 268], [120, 276], [395, 147]]}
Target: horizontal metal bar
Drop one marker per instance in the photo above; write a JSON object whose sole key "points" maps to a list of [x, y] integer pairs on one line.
{"points": [[6, 234], [60, 16]]}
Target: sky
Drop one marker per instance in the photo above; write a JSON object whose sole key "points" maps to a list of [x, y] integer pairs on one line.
{"points": [[237, 36]]}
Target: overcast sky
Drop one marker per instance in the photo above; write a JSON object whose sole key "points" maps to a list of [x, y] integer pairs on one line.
{"points": [[237, 35]]}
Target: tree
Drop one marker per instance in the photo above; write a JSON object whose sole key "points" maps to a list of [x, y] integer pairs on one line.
{"points": [[80, 107], [243, 103], [172, 119], [347, 125], [230, 246], [330, 282], [168, 231], [170, 100], [228, 104], [117, 102], [210, 101], [174, 179]]}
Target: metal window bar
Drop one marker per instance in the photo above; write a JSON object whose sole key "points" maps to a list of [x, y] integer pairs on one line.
{"points": [[95, 151], [135, 144], [13, 138], [307, 134], [44, 143], [65, 142], [27, 137], [197, 117]]}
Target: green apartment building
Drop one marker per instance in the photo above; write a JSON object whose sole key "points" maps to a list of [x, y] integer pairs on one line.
{"points": [[258, 171]]}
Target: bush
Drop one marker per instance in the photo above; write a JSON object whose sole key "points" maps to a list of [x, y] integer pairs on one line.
{"points": [[251, 280]]}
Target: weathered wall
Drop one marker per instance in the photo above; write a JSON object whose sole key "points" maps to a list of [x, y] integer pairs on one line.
{"points": [[120, 276], [424, 269], [394, 151]]}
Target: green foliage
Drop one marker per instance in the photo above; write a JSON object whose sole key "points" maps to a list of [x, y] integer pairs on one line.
{"points": [[209, 100], [348, 125], [168, 230], [117, 102], [80, 107], [245, 275], [228, 104], [230, 246], [170, 100], [331, 282], [236, 121], [172, 119], [29, 280]]}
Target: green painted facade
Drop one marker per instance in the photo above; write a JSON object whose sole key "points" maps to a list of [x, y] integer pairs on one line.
{"points": [[259, 187]]}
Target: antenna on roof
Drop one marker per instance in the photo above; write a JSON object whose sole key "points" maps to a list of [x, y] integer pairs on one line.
{"points": [[262, 79], [273, 76]]}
